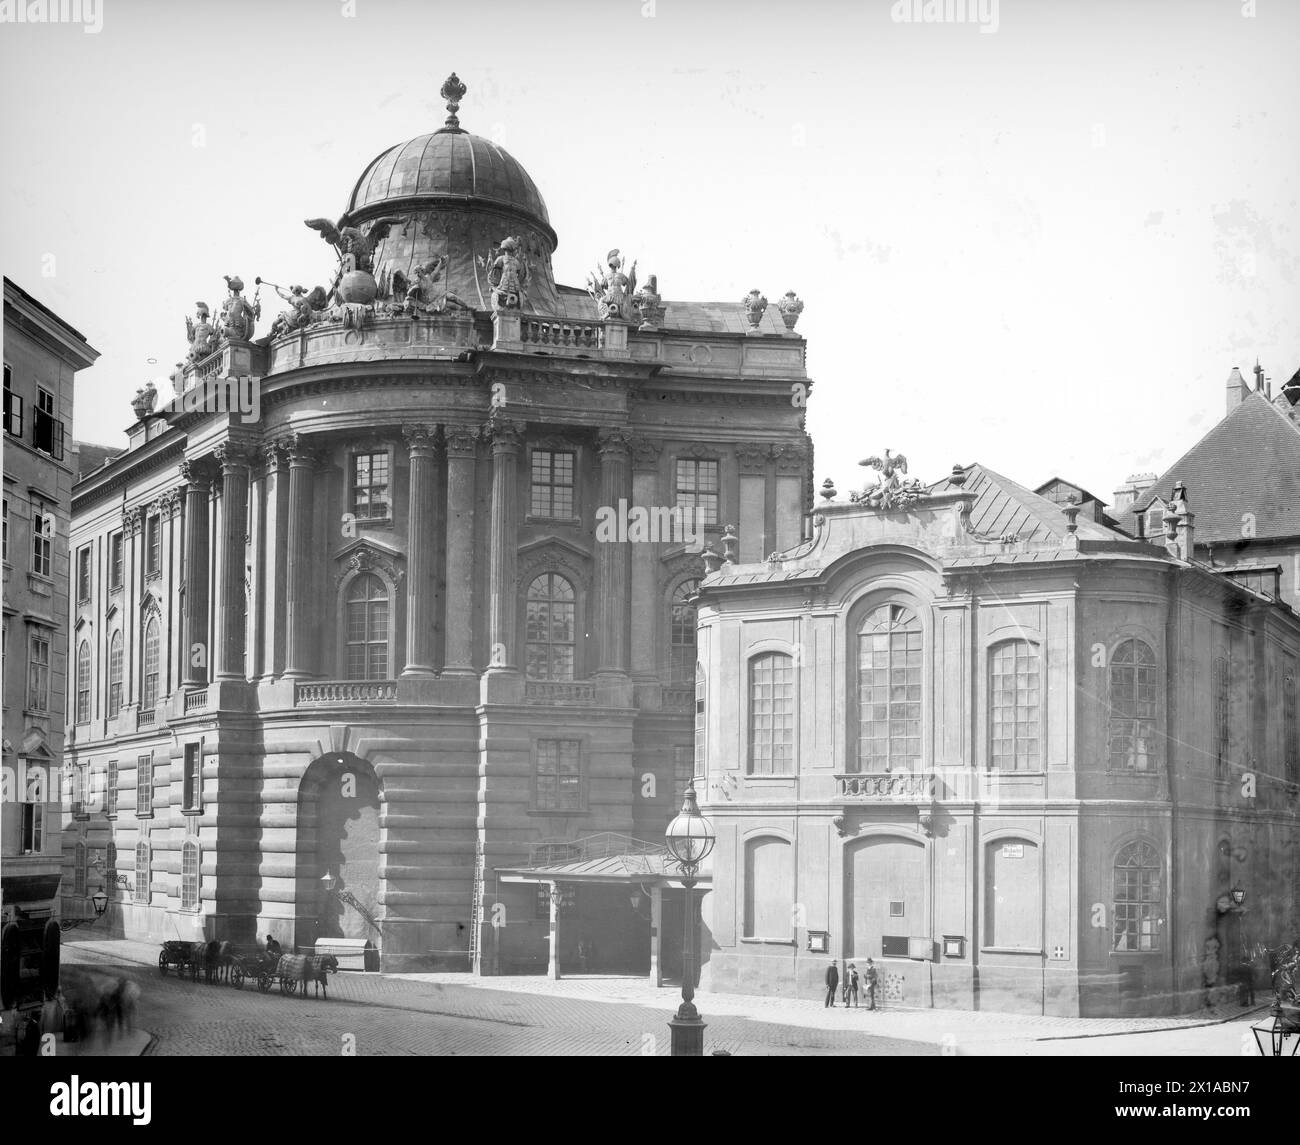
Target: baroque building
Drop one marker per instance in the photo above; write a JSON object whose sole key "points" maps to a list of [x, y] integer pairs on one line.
{"points": [[42, 355], [1018, 758], [389, 598]]}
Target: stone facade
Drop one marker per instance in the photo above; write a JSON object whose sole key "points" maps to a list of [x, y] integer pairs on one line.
{"points": [[375, 631], [1015, 757]]}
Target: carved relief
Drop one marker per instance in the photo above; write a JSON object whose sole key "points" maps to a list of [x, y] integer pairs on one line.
{"points": [[506, 435], [790, 459], [554, 559], [461, 440], [365, 558], [752, 459], [131, 521], [420, 437], [614, 441], [645, 452]]}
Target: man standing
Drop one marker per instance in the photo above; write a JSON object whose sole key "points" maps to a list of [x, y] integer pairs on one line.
{"points": [[871, 978], [832, 981], [851, 985]]}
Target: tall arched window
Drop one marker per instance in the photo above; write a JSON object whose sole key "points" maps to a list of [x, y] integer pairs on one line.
{"points": [[549, 627], [771, 714], [143, 872], [681, 632], [889, 690], [149, 682], [1222, 712], [83, 682], [114, 675], [79, 869], [1014, 721], [367, 620], [189, 875], [1133, 706], [1137, 898]]}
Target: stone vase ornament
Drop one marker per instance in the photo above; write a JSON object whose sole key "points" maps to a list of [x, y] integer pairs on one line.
{"points": [[791, 306], [755, 305]]}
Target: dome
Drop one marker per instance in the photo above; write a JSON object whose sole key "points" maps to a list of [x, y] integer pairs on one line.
{"points": [[448, 165]]}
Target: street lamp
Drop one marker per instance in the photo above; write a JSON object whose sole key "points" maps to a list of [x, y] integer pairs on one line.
{"points": [[327, 881], [1238, 894], [689, 838], [99, 900]]}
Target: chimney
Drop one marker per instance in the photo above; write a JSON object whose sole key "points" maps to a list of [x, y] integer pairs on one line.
{"points": [[1185, 536], [1135, 485], [1259, 377], [1238, 389]]}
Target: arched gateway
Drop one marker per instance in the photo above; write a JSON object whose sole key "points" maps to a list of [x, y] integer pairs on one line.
{"points": [[338, 870]]}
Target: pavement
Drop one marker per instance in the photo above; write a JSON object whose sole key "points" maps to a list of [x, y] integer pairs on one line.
{"points": [[431, 1014]]}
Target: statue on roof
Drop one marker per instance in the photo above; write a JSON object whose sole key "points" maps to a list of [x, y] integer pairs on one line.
{"points": [[891, 491], [200, 332], [649, 304], [144, 400], [304, 307], [422, 293], [611, 288], [508, 276], [355, 247], [238, 315]]}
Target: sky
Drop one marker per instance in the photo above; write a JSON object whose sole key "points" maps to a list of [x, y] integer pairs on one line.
{"points": [[1039, 237]]}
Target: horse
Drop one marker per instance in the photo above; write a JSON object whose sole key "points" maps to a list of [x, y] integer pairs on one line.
{"points": [[304, 968]]}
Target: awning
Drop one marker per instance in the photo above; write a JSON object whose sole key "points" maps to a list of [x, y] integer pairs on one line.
{"points": [[625, 869]]}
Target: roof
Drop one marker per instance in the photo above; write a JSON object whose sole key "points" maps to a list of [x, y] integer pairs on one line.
{"points": [[1004, 508], [1249, 462], [91, 457], [452, 164], [1086, 496], [66, 327]]}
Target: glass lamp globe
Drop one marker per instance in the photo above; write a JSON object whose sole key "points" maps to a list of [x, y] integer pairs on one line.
{"points": [[690, 835]]}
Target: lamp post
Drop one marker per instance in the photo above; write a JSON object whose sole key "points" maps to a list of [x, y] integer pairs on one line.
{"points": [[689, 838]]}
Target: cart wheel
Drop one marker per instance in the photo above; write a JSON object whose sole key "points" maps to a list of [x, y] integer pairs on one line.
{"points": [[237, 977], [162, 963], [264, 982], [50, 959], [287, 985], [11, 957]]}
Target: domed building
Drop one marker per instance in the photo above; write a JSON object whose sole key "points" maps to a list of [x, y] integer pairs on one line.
{"points": [[388, 632]]}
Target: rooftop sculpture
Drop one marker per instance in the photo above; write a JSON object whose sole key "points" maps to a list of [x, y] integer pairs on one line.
{"points": [[891, 491]]}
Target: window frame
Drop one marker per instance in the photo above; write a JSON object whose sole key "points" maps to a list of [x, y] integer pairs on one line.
{"points": [[79, 869], [13, 418], [550, 512], [192, 778], [781, 765], [144, 786], [695, 491], [32, 826], [42, 550], [116, 661], [549, 643], [913, 626], [46, 413], [142, 892], [116, 560], [1135, 722], [354, 486], [388, 631], [1036, 764], [191, 878], [84, 683], [110, 790], [4, 531], [153, 546], [579, 805], [85, 573], [680, 667], [1149, 908], [150, 681], [38, 695]]}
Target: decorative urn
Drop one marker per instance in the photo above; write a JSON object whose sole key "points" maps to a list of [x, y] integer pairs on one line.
{"points": [[791, 306], [755, 304]]}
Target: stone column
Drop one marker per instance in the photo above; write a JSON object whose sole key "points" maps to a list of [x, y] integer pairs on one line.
{"points": [[274, 577], [462, 452], [230, 612], [130, 595], [507, 437], [299, 613], [612, 557], [196, 652], [421, 614], [646, 620], [553, 959], [656, 935]]}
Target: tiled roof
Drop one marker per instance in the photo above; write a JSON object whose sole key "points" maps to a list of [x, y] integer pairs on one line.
{"points": [[90, 457], [1248, 463]]}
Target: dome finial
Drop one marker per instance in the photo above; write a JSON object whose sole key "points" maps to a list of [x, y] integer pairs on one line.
{"points": [[452, 91]]}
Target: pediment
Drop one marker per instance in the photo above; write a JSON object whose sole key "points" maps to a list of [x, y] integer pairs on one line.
{"points": [[366, 555], [530, 550]]}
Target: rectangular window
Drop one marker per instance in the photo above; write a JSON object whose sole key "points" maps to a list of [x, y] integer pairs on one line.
{"points": [[1290, 730], [771, 714], [189, 876], [194, 776], [47, 430], [115, 561], [1222, 711], [38, 677], [13, 411], [1014, 707], [559, 775], [4, 533], [110, 790], [370, 486], [143, 872], [43, 527], [33, 832], [552, 483], [697, 489], [83, 574], [153, 545], [143, 786]]}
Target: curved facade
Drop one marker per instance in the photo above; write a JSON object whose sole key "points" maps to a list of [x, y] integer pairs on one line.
{"points": [[379, 631]]}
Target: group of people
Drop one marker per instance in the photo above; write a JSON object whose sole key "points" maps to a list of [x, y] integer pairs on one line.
{"points": [[853, 982]]}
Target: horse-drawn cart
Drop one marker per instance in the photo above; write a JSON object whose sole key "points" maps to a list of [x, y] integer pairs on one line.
{"points": [[181, 956], [259, 967]]}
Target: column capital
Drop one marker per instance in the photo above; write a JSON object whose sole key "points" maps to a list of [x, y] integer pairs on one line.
{"points": [[645, 452], [274, 453], [302, 451], [196, 472], [790, 458], [752, 459], [171, 501], [131, 521], [506, 436], [420, 439], [614, 442], [232, 456], [460, 440]]}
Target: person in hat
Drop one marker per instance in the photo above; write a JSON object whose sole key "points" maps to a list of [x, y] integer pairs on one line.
{"points": [[832, 981], [870, 978], [851, 985], [272, 947]]}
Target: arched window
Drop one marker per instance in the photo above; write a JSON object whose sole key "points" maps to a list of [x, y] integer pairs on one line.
{"points": [[889, 690], [1137, 898], [1014, 721], [550, 623], [189, 875], [1222, 712], [701, 735], [367, 619], [149, 682], [83, 683], [769, 888], [771, 714], [143, 872], [681, 632], [1133, 706], [79, 870], [114, 675]]}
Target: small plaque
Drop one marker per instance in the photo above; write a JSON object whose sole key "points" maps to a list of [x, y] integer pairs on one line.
{"points": [[1013, 850]]}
